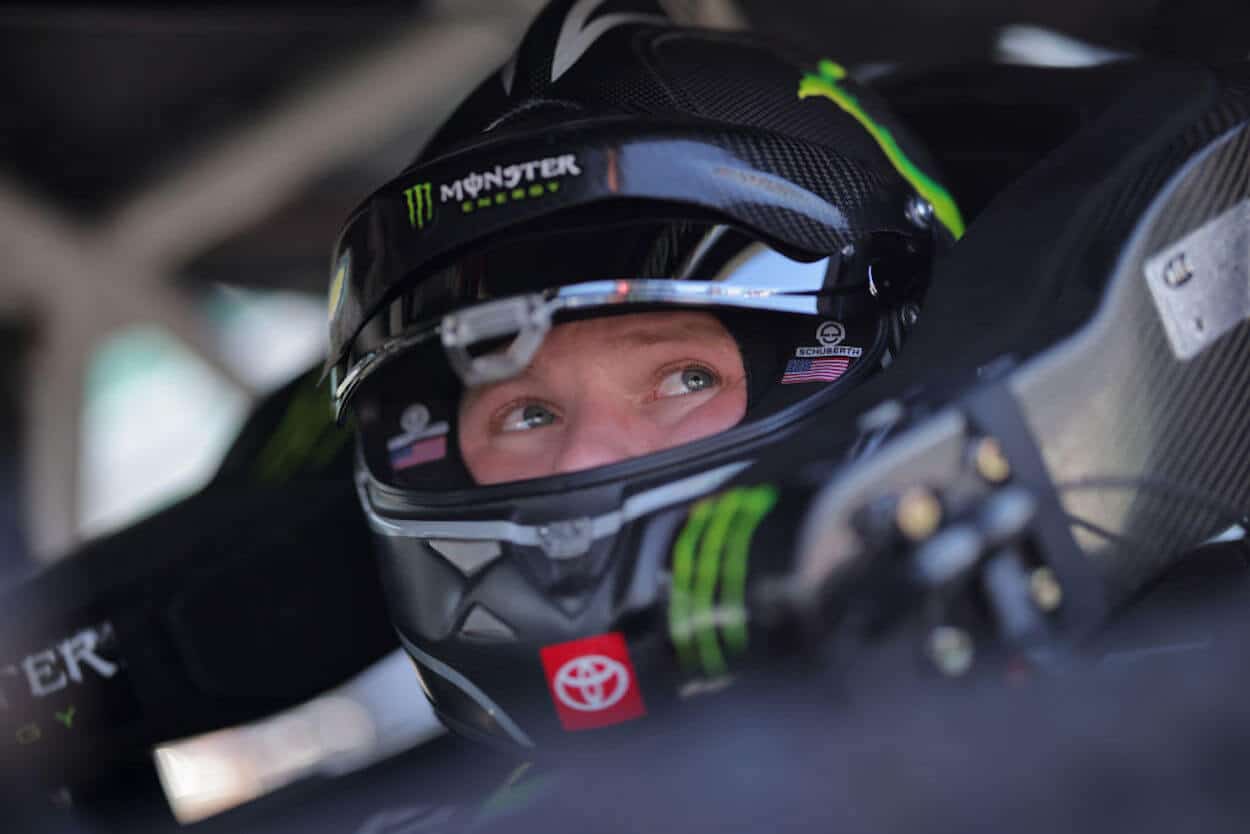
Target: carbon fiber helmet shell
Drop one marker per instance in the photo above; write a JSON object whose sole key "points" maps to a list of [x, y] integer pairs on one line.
{"points": [[714, 122], [606, 109]]}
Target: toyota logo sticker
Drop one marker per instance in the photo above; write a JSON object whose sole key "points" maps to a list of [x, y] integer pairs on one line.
{"points": [[592, 682]]}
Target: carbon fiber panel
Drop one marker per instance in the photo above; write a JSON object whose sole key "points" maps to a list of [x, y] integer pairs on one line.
{"points": [[1151, 453]]}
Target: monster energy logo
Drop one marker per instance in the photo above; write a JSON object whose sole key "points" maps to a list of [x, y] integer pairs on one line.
{"points": [[492, 187], [711, 555], [420, 205]]}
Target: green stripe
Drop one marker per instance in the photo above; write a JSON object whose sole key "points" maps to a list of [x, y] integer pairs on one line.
{"points": [[756, 503], [710, 550], [683, 574], [826, 84], [519, 791], [307, 436]]}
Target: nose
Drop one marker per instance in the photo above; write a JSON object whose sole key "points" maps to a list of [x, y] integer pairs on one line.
{"points": [[602, 432]]}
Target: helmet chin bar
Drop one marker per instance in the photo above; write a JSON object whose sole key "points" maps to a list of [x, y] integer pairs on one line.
{"points": [[566, 539]]}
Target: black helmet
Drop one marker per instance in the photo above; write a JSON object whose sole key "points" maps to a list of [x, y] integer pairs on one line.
{"points": [[617, 164]]}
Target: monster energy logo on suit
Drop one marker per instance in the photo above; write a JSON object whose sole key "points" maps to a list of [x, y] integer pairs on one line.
{"points": [[710, 555], [420, 205]]}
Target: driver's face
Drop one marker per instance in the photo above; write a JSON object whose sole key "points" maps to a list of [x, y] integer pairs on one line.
{"points": [[603, 390]]}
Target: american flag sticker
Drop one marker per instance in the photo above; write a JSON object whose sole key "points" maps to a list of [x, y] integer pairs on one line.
{"points": [[414, 449], [814, 370]]}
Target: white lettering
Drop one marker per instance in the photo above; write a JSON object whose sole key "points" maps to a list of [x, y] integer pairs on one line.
{"points": [[450, 192], [81, 649], [509, 177], [53, 669], [43, 675], [849, 352]]}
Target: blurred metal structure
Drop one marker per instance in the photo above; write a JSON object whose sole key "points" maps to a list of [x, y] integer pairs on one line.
{"points": [[80, 281], [81, 275]]}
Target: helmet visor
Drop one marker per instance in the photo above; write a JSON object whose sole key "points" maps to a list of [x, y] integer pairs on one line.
{"points": [[512, 294], [563, 377]]}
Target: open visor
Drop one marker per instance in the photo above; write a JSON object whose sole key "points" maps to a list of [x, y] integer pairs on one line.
{"points": [[489, 311], [792, 331]]}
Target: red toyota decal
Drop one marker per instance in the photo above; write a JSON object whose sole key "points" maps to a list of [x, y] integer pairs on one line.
{"points": [[592, 682]]}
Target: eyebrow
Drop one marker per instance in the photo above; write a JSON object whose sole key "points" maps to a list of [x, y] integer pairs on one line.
{"points": [[641, 336], [662, 334]]}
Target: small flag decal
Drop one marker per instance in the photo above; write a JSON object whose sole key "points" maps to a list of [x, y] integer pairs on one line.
{"points": [[814, 370], [416, 448]]}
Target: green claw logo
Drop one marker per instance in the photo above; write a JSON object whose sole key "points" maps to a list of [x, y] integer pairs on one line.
{"points": [[827, 84], [711, 553], [420, 205]]}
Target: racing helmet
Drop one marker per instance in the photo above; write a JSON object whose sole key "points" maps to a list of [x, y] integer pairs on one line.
{"points": [[617, 166]]}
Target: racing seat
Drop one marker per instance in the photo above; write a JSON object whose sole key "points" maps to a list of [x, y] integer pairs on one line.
{"points": [[1101, 290]]}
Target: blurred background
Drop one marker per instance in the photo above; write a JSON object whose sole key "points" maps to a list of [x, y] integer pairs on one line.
{"points": [[172, 176]]}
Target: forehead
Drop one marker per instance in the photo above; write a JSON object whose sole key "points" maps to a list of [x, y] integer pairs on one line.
{"points": [[634, 330]]}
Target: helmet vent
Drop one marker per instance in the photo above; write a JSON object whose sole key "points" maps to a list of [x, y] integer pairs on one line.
{"points": [[481, 624], [468, 557]]}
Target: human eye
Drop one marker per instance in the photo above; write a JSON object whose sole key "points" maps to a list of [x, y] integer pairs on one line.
{"points": [[688, 379], [525, 416]]}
